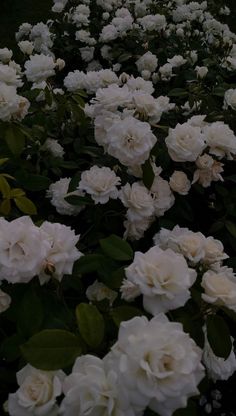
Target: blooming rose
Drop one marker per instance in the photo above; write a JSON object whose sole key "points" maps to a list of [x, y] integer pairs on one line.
{"points": [[39, 67], [5, 301], [100, 183], [201, 71], [9, 102], [230, 99], [158, 362], [218, 368], [214, 251], [221, 139], [135, 229], [162, 195], [147, 62], [138, 200], [62, 253], [180, 183], [57, 192], [37, 393], [23, 248], [185, 143], [5, 55], [93, 388], [9, 76], [98, 291], [181, 240], [26, 47], [220, 287], [130, 141], [163, 277]]}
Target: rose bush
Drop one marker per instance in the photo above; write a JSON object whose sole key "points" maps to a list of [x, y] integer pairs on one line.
{"points": [[117, 204]]}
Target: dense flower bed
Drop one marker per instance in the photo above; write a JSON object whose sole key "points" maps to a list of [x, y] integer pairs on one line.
{"points": [[118, 204]]}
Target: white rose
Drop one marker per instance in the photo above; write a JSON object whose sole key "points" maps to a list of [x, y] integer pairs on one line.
{"points": [[152, 22], [147, 62], [129, 290], [9, 102], [180, 183], [220, 288], [162, 195], [108, 33], [26, 47], [5, 55], [158, 362], [218, 368], [130, 141], [37, 393], [39, 67], [102, 124], [54, 148], [111, 98], [181, 240], [135, 229], [230, 99], [100, 183], [5, 301], [166, 72], [60, 64], [23, 248], [93, 388], [9, 76], [62, 253], [214, 251], [177, 61], [163, 277], [138, 200], [201, 71], [98, 292], [185, 143], [57, 192], [139, 84], [87, 53], [221, 139]]}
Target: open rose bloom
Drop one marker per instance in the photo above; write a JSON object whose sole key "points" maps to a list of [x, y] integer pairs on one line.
{"points": [[118, 210]]}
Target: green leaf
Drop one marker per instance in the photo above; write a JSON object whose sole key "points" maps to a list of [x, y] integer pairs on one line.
{"points": [[124, 313], [15, 140], [25, 205], [231, 227], [3, 160], [15, 192], [87, 264], [5, 207], [219, 91], [30, 315], [178, 92], [148, 174], [33, 182], [91, 324], [51, 349], [78, 200], [124, 57], [116, 248], [4, 187], [218, 336]]}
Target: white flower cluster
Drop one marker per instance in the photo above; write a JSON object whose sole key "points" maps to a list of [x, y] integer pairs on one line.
{"points": [[12, 105], [27, 250], [146, 367], [187, 143]]}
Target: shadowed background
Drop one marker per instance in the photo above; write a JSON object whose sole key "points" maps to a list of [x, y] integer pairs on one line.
{"points": [[15, 12]]}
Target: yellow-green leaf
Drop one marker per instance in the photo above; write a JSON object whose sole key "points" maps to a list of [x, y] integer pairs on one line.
{"points": [[25, 205]]}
